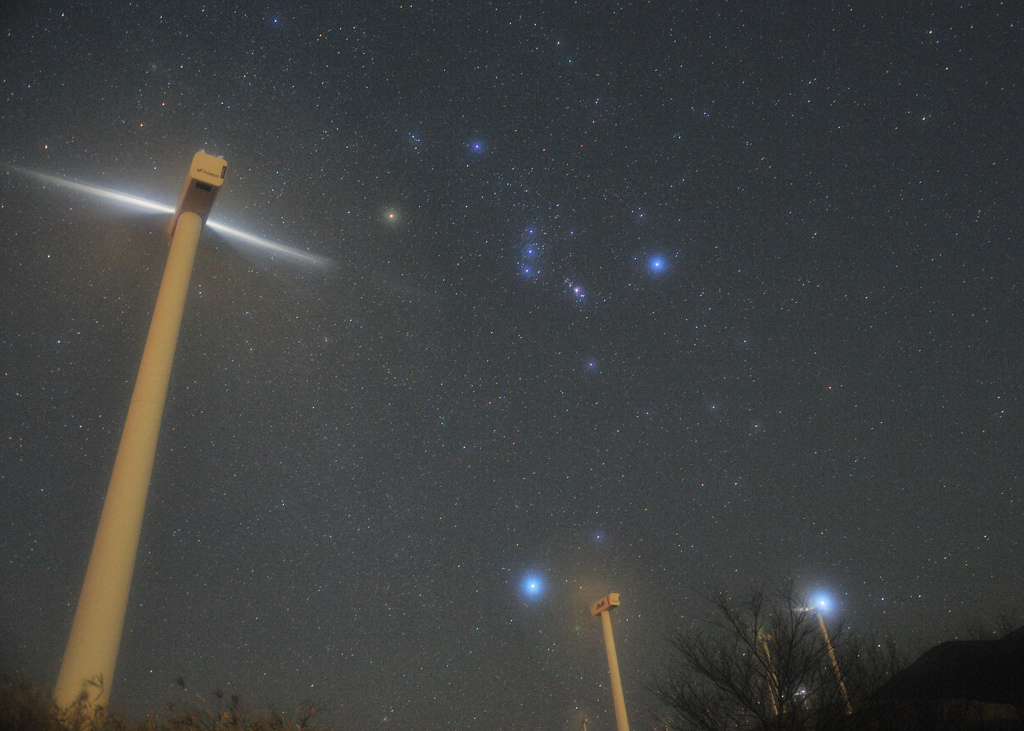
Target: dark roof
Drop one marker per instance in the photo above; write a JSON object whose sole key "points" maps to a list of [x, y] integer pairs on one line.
{"points": [[990, 671]]}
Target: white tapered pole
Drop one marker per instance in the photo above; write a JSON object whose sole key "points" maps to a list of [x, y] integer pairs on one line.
{"points": [[603, 606], [96, 631], [613, 670], [835, 665]]}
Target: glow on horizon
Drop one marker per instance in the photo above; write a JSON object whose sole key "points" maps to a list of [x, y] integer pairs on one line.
{"points": [[133, 201]]}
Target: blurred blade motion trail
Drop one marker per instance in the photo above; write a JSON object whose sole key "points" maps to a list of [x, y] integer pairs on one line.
{"points": [[132, 201]]}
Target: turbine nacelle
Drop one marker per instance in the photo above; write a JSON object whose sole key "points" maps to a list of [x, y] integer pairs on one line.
{"points": [[205, 177]]}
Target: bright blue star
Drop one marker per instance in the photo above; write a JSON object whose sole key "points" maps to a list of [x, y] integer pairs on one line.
{"points": [[533, 586], [822, 602], [655, 263], [477, 146]]}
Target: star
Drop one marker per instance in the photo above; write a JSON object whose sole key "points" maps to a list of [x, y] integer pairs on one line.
{"points": [[530, 250], [533, 586], [821, 602], [576, 291], [392, 216]]}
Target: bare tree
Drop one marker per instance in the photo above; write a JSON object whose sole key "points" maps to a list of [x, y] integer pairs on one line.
{"points": [[764, 663]]}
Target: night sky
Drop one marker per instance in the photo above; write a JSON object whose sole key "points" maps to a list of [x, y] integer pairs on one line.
{"points": [[660, 298]]}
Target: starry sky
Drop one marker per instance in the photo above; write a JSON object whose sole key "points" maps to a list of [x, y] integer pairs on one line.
{"points": [[657, 298]]}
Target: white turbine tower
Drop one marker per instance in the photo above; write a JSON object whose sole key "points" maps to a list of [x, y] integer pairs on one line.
{"points": [[603, 607], [91, 653]]}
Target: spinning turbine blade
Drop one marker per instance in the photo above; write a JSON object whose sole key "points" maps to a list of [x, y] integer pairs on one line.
{"points": [[270, 246], [132, 201], [111, 195]]}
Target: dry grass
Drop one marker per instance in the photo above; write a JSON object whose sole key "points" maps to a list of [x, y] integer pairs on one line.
{"points": [[24, 706]]}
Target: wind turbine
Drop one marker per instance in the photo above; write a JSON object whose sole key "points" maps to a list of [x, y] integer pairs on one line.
{"points": [[603, 607], [818, 608], [87, 670]]}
